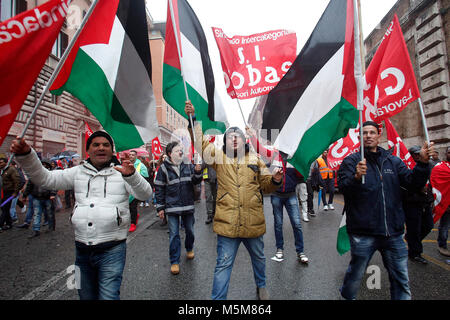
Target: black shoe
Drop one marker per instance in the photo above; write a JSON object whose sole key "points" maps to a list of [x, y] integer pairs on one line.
{"points": [[419, 259], [6, 227], [34, 234], [23, 226]]}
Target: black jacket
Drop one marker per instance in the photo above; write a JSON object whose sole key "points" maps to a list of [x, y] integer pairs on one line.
{"points": [[375, 208], [38, 192], [175, 193]]}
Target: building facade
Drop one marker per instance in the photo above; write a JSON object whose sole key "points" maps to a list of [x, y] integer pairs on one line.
{"points": [[426, 27]]}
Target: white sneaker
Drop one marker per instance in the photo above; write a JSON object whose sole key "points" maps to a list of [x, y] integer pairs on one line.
{"points": [[141, 204], [279, 254], [305, 216], [24, 209], [147, 205], [302, 257], [325, 208], [331, 206]]}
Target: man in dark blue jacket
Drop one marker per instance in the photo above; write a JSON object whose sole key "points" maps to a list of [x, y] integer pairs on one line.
{"points": [[375, 216]]}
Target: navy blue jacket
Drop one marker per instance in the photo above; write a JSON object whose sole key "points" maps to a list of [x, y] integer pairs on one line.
{"points": [[290, 181], [175, 194], [375, 208]]}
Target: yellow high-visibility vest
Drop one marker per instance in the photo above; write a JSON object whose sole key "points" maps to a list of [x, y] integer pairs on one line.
{"points": [[205, 173]]}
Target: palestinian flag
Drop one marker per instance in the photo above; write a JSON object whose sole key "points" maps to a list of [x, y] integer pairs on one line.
{"points": [[315, 103], [195, 65], [343, 241], [109, 71]]}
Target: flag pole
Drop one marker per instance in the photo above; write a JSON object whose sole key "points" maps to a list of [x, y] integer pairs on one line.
{"points": [[424, 121], [240, 108], [175, 32], [359, 71], [56, 72]]}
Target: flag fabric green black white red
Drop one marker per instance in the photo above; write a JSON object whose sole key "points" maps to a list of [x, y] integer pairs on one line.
{"points": [[315, 103], [109, 70], [343, 241], [26, 40], [194, 64]]}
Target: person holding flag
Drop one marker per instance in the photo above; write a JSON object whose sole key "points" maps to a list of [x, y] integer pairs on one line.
{"points": [[375, 217], [239, 208], [418, 215], [101, 217]]}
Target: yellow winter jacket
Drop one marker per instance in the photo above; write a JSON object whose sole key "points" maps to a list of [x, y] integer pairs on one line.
{"points": [[240, 184]]}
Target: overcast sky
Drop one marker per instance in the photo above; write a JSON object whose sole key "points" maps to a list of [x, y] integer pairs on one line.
{"points": [[245, 17]]}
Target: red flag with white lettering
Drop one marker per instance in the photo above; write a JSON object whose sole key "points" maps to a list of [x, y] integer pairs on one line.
{"points": [[156, 148], [343, 148], [253, 65], [390, 81], [26, 41], [400, 150], [440, 182]]}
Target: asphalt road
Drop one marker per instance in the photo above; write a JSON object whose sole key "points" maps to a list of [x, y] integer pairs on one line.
{"points": [[42, 268]]}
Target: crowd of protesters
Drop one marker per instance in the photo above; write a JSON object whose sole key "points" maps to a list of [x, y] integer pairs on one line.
{"points": [[377, 210]]}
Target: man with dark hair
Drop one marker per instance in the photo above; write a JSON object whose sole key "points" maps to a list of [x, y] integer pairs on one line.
{"points": [[142, 169], [418, 215], [101, 217], [242, 178], [375, 216], [174, 188], [11, 188]]}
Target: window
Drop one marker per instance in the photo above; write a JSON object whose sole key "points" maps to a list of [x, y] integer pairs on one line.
{"points": [[10, 8], [60, 45], [5, 9]]}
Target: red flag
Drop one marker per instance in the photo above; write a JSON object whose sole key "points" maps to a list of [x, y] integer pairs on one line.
{"points": [[26, 41], [440, 181], [87, 132], [391, 84], [156, 148], [400, 150], [254, 64], [343, 148]]}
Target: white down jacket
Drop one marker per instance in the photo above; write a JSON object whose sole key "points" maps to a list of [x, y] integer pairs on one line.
{"points": [[101, 212]]}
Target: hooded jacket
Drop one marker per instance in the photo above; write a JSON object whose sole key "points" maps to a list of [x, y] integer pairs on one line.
{"points": [[241, 182], [375, 207], [101, 213]]}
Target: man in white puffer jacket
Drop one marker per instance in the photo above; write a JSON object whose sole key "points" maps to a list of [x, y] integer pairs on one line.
{"points": [[101, 215]]}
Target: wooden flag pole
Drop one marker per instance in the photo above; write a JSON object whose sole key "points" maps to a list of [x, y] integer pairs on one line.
{"points": [[55, 72], [175, 31]]}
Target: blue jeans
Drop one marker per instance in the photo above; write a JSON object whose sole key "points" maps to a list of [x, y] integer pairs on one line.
{"points": [[12, 211], [30, 210], [443, 230], [41, 206], [293, 211], [395, 259], [226, 253], [101, 272], [173, 221]]}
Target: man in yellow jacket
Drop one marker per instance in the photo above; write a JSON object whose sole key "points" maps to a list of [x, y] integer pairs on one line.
{"points": [[242, 178]]}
